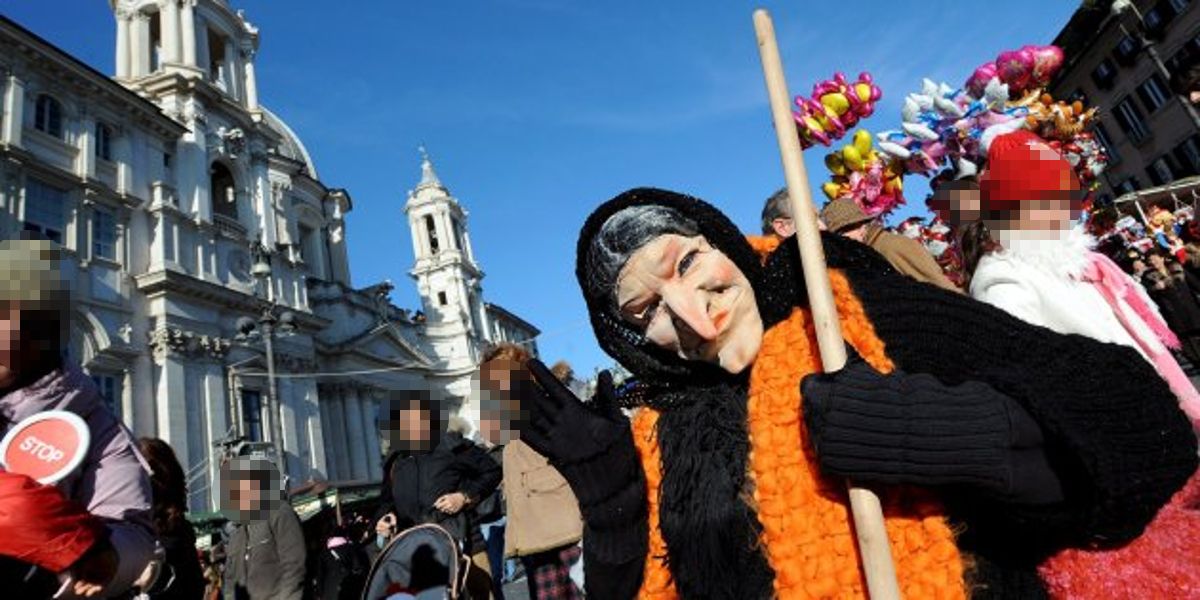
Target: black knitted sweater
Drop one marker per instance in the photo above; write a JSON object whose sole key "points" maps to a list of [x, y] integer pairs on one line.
{"points": [[1113, 429]]}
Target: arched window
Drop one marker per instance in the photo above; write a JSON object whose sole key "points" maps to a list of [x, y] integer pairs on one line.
{"points": [[47, 116], [458, 238], [223, 192], [432, 231]]}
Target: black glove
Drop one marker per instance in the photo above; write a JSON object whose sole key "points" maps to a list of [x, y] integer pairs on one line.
{"points": [[592, 446], [913, 429]]}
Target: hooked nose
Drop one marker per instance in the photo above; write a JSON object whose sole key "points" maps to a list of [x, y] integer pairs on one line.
{"points": [[689, 311]]}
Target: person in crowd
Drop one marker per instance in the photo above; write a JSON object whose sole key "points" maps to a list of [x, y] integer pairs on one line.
{"points": [[956, 200], [112, 482], [844, 217], [492, 515], [180, 577], [777, 216], [1041, 269], [730, 483], [1174, 290], [434, 475], [1185, 79], [266, 552], [544, 523], [342, 566]]}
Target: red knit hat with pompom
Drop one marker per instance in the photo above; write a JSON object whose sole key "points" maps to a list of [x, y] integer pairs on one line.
{"points": [[1021, 167]]}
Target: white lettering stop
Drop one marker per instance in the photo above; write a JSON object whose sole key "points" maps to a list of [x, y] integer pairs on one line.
{"points": [[41, 450]]}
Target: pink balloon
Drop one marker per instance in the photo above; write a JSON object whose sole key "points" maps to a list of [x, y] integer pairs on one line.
{"points": [[980, 78], [1015, 68], [1047, 60]]}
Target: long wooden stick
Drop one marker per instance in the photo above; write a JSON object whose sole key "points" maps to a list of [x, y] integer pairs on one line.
{"points": [[873, 546]]}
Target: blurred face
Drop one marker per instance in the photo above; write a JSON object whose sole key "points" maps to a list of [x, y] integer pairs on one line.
{"points": [[956, 205], [1047, 210], [1157, 261], [689, 298], [247, 495], [500, 412], [412, 428]]}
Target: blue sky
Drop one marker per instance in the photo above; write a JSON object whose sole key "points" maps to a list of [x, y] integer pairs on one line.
{"points": [[535, 111]]}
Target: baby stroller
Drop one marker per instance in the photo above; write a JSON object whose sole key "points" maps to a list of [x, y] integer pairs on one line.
{"points": [[423, 562]]}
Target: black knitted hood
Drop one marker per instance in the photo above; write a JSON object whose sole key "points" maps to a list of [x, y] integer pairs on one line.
{"points": [[778, 287], [651, 364]]}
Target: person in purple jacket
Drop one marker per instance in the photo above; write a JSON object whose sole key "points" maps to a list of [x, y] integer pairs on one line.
{"points": [[112, 482]]}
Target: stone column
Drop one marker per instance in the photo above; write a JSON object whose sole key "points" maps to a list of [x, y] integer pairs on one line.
{"points": [[370, 417], [264, 207], [316, 429], [187, 26], [168, 24], [14, 110], [250, 81], [122, 44], [292, 421], [170, 393], [418, 250], [216, 426], [87, 147], [338, 436], [227, 64], [203, 51], [358, 450], [140, 59]]}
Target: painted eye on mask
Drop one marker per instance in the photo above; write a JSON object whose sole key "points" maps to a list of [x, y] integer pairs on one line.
{"points": [[686, 262]]}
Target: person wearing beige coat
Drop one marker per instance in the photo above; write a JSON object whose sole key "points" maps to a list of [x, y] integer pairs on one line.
{"points": [[543, 513]]}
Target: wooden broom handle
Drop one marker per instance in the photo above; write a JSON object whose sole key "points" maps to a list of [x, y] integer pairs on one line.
{"points": [[873, 548]]}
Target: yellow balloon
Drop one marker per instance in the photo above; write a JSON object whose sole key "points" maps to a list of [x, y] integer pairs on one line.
{"points": [[852, 158], [862, 141], [863, 90], [834, 163], [836, 102], [832, 190]]}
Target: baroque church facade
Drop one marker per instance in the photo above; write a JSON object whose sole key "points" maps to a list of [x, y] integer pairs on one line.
{"points": [[198, 230]]}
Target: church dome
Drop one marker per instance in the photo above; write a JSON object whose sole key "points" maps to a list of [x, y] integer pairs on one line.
{"points": [[291, 146]]}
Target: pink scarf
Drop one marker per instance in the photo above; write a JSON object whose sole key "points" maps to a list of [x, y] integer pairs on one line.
{"points": [[1115, 285]]}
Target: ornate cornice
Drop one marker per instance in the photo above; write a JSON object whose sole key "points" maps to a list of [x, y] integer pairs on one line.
{"points": [[173, 341]]}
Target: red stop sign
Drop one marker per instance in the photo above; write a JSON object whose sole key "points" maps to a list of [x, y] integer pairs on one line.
{"points": [[46, 446]]}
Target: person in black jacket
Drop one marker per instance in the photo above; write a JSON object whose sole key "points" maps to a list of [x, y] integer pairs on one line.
{"points": [[990, 443], [266, 556], [433, 475], [180, 577]]}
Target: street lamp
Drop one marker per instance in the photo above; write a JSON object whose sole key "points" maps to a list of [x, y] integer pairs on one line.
{"points": [[1119, 8], [272, 321]]}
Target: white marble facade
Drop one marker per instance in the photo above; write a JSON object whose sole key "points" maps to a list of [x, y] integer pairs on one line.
{"points": [[157, 182]]}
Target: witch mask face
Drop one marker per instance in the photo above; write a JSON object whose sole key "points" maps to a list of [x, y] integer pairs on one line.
{"points": [[691, 299]]}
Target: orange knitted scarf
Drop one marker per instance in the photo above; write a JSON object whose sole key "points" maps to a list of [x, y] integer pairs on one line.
{"points": [[807, 532]]}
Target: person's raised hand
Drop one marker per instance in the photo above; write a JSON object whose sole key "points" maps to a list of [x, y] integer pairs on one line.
{"points": [[590, 444], [94, 570]]}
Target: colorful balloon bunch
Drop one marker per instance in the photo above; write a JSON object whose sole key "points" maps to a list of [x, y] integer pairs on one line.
{"points": [[943, 127], [873, 180], [1086, 155], [1031, 67], [835, 106], [1056, 120]]}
